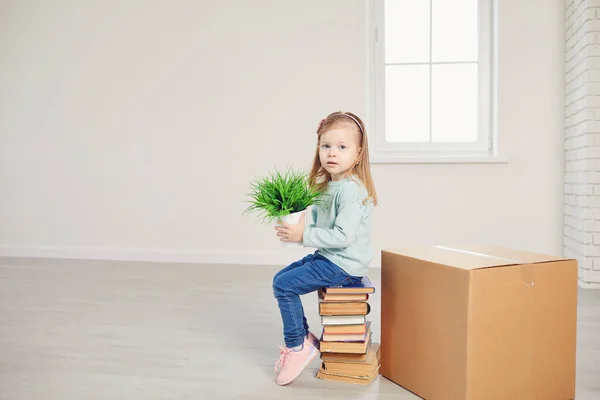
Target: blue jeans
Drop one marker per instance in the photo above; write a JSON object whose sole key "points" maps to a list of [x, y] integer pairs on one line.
{"points": [[304, 276]]}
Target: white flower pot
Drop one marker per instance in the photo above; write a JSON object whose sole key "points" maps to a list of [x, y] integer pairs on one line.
{"points": [[293, 218]]}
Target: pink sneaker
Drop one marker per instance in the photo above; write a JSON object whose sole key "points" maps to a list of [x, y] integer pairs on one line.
{"points": [[314, 340], [291, 363]]}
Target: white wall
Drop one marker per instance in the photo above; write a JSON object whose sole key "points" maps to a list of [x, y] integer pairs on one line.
{"points": [[132, 132], [582, 144]]}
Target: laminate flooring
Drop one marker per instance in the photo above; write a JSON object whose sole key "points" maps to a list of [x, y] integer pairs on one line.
{"points": [[74, 329]]}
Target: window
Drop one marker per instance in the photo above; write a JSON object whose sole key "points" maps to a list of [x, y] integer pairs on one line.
{"points": [[431, 79]]}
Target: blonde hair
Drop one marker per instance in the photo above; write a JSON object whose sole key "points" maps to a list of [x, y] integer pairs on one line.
{"points": [[319, 177]]}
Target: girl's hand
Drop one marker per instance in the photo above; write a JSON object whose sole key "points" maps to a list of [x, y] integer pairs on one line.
{"points": [[291, 232]]}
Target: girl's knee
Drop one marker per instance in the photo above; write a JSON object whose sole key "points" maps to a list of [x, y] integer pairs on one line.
{"points": [[276, 284], [280, 284]]}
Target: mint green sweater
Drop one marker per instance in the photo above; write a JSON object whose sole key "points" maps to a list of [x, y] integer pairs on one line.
{"points": [[341, 226]]}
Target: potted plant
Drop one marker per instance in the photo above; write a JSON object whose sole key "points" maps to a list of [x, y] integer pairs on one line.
{"points": [[282, 196]]}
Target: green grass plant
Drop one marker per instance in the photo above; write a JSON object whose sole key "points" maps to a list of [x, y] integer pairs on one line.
{"points": [[280, 194]]}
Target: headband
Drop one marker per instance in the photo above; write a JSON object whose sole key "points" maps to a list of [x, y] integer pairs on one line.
{"points": [[355, 120], [345, 115]]}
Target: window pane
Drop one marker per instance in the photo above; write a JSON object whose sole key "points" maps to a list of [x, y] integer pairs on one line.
{"points": [[454, 30], [454, 103], [407, 103], [406, 31]]}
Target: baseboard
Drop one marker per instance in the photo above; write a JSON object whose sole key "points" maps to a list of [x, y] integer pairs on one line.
{"points": [[157, 255], [589, 285], [281, 257]]}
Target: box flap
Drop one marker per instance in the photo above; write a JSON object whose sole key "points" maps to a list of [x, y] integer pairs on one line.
{"points": [[471, 257]]}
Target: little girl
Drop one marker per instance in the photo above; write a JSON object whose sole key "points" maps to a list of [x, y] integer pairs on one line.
{"points": [[340, 232]]}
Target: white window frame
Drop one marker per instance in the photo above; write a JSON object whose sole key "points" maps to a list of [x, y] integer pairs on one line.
{"points": [[382, 151]]}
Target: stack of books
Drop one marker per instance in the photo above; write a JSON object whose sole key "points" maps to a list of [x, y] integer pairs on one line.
{"points": [[347, 351]]}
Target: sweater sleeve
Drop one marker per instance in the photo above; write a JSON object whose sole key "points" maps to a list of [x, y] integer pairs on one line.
{"points": [[313, 214], [346, 225]]}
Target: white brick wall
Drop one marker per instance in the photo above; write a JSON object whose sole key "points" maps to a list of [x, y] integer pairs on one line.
{"points": [[582, 138]]}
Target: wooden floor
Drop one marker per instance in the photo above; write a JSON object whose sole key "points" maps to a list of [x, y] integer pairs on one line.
{"points": [[102, 330]]}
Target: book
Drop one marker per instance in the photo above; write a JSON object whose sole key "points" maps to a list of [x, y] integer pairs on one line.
{"points": [[347, 358], [355, 370], [346, 337], [364, 286], [356, 328], [343, 319], [344, 308], [340, 297], [360, 347], [348, 368], [348, 379]]}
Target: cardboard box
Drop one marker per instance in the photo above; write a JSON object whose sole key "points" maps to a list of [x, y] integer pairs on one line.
{"points": [[479, 322]]}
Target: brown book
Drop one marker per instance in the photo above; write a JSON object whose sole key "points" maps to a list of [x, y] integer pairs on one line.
{"points": [[344, 308], [346, 337], [363, 371], [348, 379], [339, 297], [364, 286], [356, 369], [346, 347], [372, 353], [356, 328]]}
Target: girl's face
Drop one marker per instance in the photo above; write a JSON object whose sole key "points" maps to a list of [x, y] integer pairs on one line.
{"points": [[339, 151]]}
